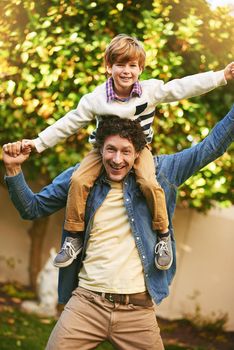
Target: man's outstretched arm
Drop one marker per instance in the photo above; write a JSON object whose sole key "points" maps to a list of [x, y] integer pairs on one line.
{"points": [[32, 205]]}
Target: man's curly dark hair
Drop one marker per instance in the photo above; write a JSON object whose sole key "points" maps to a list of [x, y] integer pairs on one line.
{"points": [[112, 125]]}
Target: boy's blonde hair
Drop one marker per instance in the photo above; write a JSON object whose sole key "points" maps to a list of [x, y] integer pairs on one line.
{"points": [[123, 48]]}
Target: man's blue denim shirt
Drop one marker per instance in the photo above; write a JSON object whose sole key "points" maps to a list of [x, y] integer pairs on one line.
{"points": [[172, 171]]}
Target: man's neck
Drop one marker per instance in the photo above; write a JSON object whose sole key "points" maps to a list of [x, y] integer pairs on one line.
{"points": [[116, 184]]}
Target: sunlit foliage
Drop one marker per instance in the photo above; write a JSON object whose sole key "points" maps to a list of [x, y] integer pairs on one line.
{"points": [[52, 54]]}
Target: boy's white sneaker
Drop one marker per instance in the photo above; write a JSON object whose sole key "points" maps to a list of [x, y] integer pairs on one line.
{"points": [[163, 253]]}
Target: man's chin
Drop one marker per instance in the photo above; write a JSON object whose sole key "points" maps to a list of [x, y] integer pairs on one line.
{"points": [[115, 177]]}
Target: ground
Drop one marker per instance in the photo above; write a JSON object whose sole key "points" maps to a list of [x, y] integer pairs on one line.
{"points": [[177, 335], [184, 334]]}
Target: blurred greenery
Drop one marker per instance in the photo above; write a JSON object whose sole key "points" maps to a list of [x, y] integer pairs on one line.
{"points": [[52, 54], [23, 331], [17, 291]]}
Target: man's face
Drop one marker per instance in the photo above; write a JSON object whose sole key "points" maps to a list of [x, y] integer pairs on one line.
{"points": [[118, 157]]}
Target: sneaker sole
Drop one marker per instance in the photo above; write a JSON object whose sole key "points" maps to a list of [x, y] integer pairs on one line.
{"points": [[163, 268], [68, 262]]}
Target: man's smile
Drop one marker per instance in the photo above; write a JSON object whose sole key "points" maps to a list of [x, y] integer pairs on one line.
{"points": [[118, 156], [116, 167]]}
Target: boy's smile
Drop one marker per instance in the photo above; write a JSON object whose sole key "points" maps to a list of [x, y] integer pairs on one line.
{"points": [[124, 74]]}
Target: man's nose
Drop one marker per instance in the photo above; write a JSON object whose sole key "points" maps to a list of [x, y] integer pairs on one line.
{"points": [[117, 158]]}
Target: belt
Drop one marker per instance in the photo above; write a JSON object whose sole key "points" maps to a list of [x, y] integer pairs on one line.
{"points": [[138, 299]]}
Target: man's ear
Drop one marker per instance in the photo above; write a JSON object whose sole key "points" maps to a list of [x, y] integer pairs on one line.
{"points": [[137, 155]]}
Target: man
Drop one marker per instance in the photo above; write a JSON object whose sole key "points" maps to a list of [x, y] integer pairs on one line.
{"points": [[117, 275]]}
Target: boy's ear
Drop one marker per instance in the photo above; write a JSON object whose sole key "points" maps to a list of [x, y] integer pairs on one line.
{"points": [[109, 70]]}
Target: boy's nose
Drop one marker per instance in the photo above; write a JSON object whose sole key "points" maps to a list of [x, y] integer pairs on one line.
{"points": [[126, 69]]}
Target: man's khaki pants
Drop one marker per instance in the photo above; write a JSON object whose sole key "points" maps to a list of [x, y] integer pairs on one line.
{"points": [[88, 319]]}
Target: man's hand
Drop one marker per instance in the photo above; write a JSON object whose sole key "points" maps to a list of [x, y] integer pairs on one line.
{"points": [[15, 148], [229, 71], [13, 163]]}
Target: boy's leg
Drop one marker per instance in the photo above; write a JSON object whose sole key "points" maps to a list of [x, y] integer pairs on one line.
{"points": [[154, 194], [82, 181]]}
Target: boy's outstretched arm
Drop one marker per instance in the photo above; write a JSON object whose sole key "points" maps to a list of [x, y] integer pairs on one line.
{"points": [[229, 71]]}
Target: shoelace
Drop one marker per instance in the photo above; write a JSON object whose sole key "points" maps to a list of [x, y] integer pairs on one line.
{"points": [[161, 247], [69, 248]]}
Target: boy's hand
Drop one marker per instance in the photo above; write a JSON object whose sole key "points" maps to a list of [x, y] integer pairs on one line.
{"points": [[13, 149], [229, 71], [27, 145]]}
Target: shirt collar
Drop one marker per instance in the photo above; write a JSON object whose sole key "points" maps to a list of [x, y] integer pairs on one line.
{"points": [[111, 95]]}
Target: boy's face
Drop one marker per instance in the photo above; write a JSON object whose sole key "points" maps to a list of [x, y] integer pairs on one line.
{"points": [[124, 74]]}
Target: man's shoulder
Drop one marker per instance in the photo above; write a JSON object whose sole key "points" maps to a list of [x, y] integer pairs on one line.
{"points": [[65, 175], [163, 163]]}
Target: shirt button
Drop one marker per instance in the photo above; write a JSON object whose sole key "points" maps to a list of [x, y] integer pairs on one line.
{"points": [[132, 219], [146, 275], [143, 257], [126, 183], [138, 238], [127, 200]]}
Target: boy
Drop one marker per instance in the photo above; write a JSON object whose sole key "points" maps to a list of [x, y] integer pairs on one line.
{"points": [[122, 95]]}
